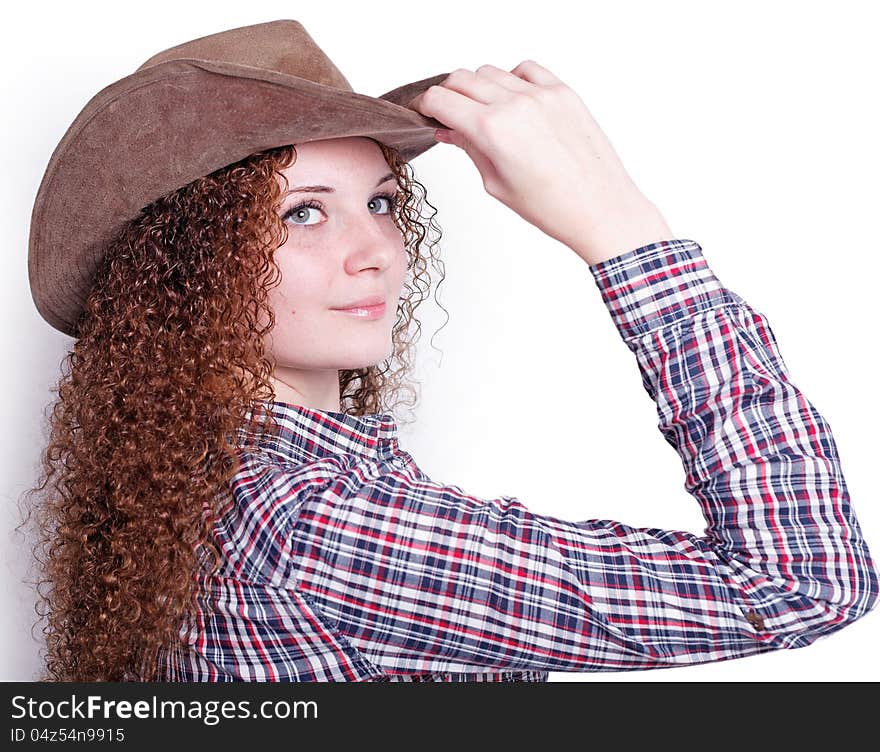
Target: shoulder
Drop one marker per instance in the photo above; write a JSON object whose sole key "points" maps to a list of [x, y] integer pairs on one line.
{"points": [[274, 487], [259, 505]]}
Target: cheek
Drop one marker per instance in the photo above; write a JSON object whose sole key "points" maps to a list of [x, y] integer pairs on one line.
{"points": [[403, 263], [301, 286], [290, 305]]}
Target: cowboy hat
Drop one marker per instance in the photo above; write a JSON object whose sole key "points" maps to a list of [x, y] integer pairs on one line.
{"points": [[186, 112]]}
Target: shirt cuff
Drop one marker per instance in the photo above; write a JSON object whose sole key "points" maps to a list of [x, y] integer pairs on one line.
{"points": [[658, 284]]}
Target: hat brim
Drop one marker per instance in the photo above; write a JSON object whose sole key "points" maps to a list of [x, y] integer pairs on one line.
{"points": [[164, 126]]}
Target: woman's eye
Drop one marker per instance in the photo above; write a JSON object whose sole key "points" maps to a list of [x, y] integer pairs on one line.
{"points": [[302, 211], [388, 199]]}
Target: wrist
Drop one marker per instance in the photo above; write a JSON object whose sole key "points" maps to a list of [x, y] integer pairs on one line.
{"points": [[619, 232]]}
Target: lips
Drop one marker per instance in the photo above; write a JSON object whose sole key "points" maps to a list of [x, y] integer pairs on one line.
{"points": [[370, 302]]}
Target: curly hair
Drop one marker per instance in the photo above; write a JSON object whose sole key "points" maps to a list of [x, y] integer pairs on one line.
{"points": [[167, 365]]}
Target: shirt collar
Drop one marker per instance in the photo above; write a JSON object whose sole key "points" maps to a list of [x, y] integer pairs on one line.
{"points": [[306, 433]]}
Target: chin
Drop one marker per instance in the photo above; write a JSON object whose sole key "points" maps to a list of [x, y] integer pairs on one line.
{"points": [[365, 357]]}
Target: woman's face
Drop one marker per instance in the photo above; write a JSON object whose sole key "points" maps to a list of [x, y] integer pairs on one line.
{"points": [[342, 250]]}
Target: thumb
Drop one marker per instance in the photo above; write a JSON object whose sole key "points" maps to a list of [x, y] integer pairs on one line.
{"points": [[483, 163]]}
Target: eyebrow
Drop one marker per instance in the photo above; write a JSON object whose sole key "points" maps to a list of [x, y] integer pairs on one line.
{"points": [[329, 189]]}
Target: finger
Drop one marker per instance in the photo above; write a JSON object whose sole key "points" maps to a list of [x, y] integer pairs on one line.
{"points": [[536, 73], [479, 88], [454, 110], [503, 78]]}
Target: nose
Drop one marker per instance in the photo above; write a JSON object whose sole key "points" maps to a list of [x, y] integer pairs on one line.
{"points": [[372, 247]]}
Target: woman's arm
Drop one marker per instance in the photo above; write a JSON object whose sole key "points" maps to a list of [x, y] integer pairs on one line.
{"points": [[417, 576], [412, 575], [759, 458]]}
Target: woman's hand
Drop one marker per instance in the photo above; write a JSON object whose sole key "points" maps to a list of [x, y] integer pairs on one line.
{"points": [[541, 153]]}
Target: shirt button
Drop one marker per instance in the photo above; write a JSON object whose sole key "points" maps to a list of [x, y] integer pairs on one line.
{"points": [[755, 619]]}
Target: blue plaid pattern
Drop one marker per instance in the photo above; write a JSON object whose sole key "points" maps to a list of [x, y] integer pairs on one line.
{"points": [[342, 561]]}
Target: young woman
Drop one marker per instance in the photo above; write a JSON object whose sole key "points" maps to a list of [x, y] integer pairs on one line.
{"points": [[230, 501]]}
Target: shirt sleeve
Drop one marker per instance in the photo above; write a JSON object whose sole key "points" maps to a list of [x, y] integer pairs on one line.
{"points": [[420, 576]]}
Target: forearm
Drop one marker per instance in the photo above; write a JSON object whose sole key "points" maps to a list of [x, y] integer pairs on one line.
{"points": [[599, 238], [759, 458]]}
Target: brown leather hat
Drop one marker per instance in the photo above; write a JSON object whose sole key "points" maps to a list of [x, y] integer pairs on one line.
{"points": [[187, 111]]}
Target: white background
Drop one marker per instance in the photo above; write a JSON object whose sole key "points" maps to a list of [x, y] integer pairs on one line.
{"points": [[753, 127]]}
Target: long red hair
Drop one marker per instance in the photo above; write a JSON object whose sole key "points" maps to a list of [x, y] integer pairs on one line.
{"points": [[167, 363]]}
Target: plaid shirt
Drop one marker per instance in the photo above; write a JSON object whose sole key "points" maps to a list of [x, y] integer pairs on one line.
{"points": [[343, 561]]}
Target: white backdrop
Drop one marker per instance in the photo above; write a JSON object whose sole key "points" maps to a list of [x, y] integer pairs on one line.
{"points": [[753, 127]]}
